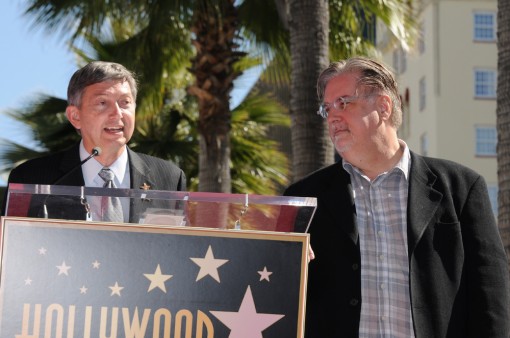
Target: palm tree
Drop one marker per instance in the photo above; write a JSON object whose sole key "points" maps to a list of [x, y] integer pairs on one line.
{"points": [[159, 26], [503, 121], [166, 126], [215, 27], [253, 153], [312, 148], [218, 28], [321, 31]]}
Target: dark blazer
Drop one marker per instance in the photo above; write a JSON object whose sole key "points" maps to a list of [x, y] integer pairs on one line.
{"points": [[459, 277], [144, 169]]}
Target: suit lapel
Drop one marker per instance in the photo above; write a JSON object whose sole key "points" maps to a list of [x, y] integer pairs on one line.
{"points": [[140, 179], [140, 172], [423, 200], [336, 199], [70, 160]]}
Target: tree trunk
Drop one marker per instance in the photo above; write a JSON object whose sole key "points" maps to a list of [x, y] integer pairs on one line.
{"points": [[503, 121], [309, 46], [215, 29]]}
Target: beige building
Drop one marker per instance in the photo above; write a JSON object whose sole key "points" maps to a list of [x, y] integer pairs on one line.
{"points": [[448, 84]]}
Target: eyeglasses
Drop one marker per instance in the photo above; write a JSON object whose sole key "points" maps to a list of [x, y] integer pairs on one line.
{"points": [[339, 104]]}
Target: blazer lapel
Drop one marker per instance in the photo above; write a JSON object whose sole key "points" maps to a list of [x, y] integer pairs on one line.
{"points": [[140, 172], [140, 179], [70, 161], [336, 199], [423, 200]]}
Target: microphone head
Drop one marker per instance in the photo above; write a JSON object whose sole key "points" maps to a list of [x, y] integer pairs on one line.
{"points": [[96, 151]]}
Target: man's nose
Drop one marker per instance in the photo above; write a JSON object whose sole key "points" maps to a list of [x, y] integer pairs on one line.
{"points": [[117, 110]]}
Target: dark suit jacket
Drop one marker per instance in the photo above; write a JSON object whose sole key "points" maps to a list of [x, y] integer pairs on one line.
{"points": [[155, 172], [459, 278]]}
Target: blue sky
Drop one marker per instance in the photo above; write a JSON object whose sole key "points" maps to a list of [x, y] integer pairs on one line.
{"points": [[33, 61]]}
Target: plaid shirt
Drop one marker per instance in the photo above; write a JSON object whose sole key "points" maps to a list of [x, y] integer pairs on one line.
{"points": [[381, 207]]}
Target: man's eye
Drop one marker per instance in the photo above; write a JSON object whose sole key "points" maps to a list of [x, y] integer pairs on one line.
{"points": [[340, 104]]}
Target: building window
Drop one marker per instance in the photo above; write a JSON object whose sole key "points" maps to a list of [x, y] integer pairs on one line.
{"points": [[399, 60], [484, 26], [486, 141], [493, 196], [423, 94], [485, 83], [424, 144], [421, 38]]}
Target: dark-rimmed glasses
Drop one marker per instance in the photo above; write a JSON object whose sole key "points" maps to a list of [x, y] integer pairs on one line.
{"points": [[339, 104]]}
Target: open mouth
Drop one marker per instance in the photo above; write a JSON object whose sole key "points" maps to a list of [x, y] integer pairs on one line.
{"points": [[114, 129]]}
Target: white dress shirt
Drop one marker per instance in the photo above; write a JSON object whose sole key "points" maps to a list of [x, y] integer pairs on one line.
{"points": [[90, 171]]}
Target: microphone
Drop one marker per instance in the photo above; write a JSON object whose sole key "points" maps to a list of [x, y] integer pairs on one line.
{"points": [[96, 151]]}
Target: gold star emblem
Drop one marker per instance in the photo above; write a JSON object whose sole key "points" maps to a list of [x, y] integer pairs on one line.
{"points": [[145, 187]]}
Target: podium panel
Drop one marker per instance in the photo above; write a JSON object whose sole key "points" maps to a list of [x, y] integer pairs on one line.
{"points": [[164, 208], [62, 278]]}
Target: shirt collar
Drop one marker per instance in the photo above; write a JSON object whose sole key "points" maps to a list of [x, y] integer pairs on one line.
{"points": [[92, 167], [403, 164]]}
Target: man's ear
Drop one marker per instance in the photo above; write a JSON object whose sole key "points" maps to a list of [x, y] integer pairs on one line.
{"points": [[384, 106], [73, 115]]}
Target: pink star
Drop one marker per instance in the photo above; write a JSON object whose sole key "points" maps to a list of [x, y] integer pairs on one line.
{"points": [[246, 323], [264, 274]]}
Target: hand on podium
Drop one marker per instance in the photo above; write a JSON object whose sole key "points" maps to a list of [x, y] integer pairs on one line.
{"points": [[311, 255]]}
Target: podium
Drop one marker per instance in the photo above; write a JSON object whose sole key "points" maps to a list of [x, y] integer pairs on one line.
{"points": [[184, 264]]}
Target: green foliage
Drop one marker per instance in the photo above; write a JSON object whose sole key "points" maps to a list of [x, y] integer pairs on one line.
{"points": [[45, 117], [258, 165], [154, 39], [353, 25], [170, 134]]}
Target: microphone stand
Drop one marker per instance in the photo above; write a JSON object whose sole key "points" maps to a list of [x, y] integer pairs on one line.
{"points": [[95, 152]]}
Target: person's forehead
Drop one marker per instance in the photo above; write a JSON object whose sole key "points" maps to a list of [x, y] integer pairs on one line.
{"points": [[343, 84], [109, 87]]}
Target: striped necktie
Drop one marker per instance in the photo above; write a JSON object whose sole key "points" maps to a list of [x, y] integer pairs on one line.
{"points": [[111, 209]]}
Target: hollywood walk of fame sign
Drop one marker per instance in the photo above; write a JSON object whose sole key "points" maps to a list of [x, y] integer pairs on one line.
{"points": [[79, 279]]}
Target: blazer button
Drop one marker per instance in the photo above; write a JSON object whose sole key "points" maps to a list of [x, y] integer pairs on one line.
{"points": [[355, 266], [354, 302]]}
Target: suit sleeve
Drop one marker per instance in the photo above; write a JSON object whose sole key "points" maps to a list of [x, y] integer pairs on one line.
{"points": [[487, 266]]}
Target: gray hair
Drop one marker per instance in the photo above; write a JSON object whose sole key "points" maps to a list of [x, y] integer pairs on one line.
{"points": [[373, 77], [96, 72]]}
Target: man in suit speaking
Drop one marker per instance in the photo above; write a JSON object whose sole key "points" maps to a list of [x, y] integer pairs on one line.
{"points": [[101, 106]]}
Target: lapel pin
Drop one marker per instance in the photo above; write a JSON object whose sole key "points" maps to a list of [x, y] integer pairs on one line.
{"points": [[145, 187]]}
